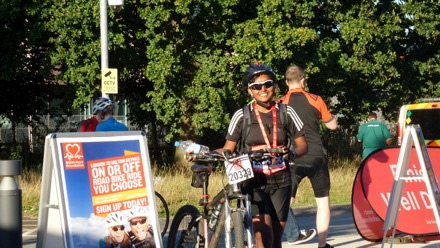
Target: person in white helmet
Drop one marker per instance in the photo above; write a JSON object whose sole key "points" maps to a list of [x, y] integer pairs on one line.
{"points": [[105, 113], [89, 125], [117, 237], [140, 234]]}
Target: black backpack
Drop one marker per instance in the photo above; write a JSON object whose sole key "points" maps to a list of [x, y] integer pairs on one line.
{"points": [[247, 121]]}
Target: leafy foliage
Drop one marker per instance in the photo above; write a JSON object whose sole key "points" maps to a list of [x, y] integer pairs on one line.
{"points": [[24, 73], [180, 62]]}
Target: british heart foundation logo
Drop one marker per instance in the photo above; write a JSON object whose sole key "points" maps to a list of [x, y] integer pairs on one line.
{"points": [[73, 156]]}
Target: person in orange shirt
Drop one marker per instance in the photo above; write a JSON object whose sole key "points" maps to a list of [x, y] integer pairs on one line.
{"points": [[312, 110]]}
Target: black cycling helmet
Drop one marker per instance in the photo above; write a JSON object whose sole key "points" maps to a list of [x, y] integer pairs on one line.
{"points": [[257, 68]]}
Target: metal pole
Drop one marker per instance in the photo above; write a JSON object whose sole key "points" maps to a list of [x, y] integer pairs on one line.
{"points": [[10, 204], [104, 37]]}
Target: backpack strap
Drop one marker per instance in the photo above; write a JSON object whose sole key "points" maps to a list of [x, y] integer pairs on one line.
{"points": [[283, 116], [246, 120], [246, 126]]}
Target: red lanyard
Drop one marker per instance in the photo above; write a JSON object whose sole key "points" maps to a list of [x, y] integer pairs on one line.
{"points": [[263, 130]]}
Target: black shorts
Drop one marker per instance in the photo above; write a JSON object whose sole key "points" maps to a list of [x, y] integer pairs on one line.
{"points": [[270, 194], [316, 169]]}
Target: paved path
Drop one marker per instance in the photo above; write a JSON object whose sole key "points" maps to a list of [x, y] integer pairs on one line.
{"points": [[342, 231], [30, 232]]}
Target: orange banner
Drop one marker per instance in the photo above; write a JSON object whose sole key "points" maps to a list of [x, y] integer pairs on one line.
{"points": [[117, 183]]}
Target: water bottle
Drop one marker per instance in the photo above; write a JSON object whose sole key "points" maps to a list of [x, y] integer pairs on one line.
{"points": [[187, 146]]}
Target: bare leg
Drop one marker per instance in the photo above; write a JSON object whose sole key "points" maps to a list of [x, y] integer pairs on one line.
{"points": [[278, 230], [322, 219], [262, 226]]}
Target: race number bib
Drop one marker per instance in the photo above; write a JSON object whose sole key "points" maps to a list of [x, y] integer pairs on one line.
{"points": [[239, 170]]}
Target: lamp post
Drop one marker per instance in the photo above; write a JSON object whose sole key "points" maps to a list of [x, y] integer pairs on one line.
{"points": [[116, 5], [104, 37]]}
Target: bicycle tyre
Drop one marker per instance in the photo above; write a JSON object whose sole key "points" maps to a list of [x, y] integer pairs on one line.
{"points": [[163, 206], [184, 228], [237, 223]]}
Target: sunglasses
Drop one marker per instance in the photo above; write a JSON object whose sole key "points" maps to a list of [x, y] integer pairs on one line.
{"points": [[116, 228], [259, 85], [134, 223]]}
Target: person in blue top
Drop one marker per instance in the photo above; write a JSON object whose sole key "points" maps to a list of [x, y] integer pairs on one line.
{"points": [[108, 123]]}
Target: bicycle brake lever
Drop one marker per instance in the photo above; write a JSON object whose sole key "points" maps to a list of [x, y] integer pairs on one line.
{"points": [[227, 153]]}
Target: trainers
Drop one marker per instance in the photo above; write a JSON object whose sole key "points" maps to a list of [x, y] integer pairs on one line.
{"points": [[327, 246], [304, 236]]}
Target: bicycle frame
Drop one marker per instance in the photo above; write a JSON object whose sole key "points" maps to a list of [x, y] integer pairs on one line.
{"points": [[235, 211], [234, 202], [243, 204], [208, 206], [201, 231]]}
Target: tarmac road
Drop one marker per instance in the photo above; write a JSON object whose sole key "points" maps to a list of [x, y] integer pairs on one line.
{"points": [[342, 232], [29, 231]]}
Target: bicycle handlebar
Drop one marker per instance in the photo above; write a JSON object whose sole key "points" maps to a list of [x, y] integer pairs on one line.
{"points": [[277, 150], [208, 157], [258, 154]]}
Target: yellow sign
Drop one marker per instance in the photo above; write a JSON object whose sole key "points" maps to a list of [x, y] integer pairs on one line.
{"points": [[109, 81]]}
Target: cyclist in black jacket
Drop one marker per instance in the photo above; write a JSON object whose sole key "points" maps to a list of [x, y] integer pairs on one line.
{"points": [[271, 186]]}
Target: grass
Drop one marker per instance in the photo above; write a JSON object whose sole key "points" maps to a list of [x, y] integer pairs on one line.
{"points": [[30, 184], [176, 187]]}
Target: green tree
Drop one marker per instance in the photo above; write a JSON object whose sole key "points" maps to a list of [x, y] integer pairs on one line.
{"points": [[24, 76], [180, 62], [190, 65], [420, 50], [380, 57]]}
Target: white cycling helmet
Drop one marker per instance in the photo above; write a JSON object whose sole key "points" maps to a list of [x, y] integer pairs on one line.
{"points": [[115, 219], [138, 211], [102, 103]]}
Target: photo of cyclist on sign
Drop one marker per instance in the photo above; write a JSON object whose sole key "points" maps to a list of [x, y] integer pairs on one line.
{"points": [[117, 236], [141, 233]]}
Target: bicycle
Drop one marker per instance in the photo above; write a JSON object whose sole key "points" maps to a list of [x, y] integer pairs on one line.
{"points": [[229, 209], [162, 208]]}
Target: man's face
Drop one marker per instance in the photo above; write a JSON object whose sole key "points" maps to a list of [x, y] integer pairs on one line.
{"points": [[139, 227], [117, 233]]}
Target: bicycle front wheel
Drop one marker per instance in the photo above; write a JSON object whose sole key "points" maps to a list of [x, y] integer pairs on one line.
{"points": [[184, 228], [164, 213]]}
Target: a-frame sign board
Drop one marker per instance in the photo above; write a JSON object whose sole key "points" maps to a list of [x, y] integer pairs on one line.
{"points": [[97, 189], [413, 133]]}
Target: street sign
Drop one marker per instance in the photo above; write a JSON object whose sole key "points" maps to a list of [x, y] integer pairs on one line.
{"points": [[109, 81], [93, 182], [405, 174]]}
